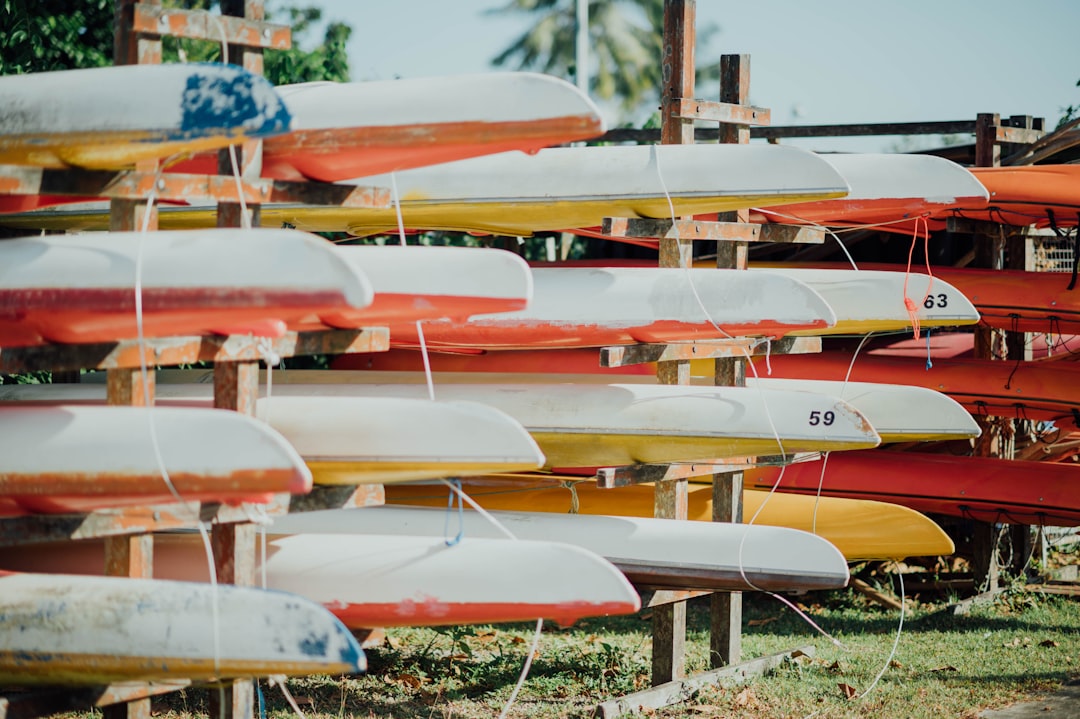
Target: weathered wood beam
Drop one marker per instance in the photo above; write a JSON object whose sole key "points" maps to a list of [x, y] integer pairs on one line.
{"points": [[621, 356], [167, 351], [678, 691], [202, 25], [646, 228], [707, 111]]}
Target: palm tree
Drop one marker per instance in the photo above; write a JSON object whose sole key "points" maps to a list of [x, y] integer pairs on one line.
{"points": [[626, 37]]}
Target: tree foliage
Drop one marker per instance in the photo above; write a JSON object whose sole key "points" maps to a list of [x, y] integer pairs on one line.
{"points": [[625, 38], [40, 35], [47, 35]]}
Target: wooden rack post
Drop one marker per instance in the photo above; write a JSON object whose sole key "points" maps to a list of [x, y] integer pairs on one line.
{"points": [[996, 248]]}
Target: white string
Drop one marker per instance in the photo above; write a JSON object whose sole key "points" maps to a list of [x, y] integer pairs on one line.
{"points": [[827, 230], [279, 679], [539, 621], [772, 426], [896, 640], [144, 375]]}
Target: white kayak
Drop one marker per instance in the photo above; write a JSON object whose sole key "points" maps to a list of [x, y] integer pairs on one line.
{"points": [[652, 553], [874, 300], [389, 581], [113, 117], [621, 424], [82, 288], [60, 459], [58, 629], [352, 129], [358, 440], [430, 283], [594, 307]]}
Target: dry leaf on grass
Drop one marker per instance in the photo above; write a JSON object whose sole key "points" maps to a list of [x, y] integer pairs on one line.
{"points": [[848, 690], [1048, 643], [835, 668], [895, 664], [746, 699], [411, 681], [946, 668], [762, 622]]}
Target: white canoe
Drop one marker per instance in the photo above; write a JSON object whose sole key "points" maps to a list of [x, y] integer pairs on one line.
{"points": [[82, 288], [652, 553], [593, 307], [887, 188], [873, 301], [390, 581], [614, 425], [358, 440], [112, 117], [428, 283], [346, 130], [57, 459], [59, 629]]}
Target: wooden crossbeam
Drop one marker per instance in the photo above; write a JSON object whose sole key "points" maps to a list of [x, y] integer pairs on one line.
{"points": [[180, 187], [726, 112], [127, 520], [646, 228], [202, 25], [682, 689], [611, 477], [168, 351], [622, 356], [57, 700]]}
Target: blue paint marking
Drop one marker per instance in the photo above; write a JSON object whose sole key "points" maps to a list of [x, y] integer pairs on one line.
{"points": [[223, 99]]}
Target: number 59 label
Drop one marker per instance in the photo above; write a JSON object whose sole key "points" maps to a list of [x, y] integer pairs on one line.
{"points": [[818, 417]]}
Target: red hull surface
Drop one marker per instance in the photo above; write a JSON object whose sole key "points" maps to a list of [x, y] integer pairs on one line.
{"points": [[982, 488]]}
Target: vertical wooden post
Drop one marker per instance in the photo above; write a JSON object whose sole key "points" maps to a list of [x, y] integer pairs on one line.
{"points": [[670, 500], [249, 154], [725, 632], [996, 439]]}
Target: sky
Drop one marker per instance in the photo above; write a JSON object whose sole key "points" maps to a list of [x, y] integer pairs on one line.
{"points": [[812, 61]]}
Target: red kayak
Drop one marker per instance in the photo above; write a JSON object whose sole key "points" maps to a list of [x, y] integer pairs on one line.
{"points": [[982, 488]]}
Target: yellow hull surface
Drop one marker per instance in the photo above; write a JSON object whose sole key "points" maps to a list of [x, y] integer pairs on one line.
{"points": [[860, 529], [348, 473]]}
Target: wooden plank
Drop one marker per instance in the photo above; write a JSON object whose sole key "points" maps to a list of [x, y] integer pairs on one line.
{"points": [[201, 25], [127, 520], [712, 231], [679, 691], [669, 596], [236, 386], [707, 111], [1018, 135], [621, 356], [127, 387], [776, 132], [338, 497], [136, 185], [987, 148], [168, 351], [47, 702], [611, 477], [880, 597]]}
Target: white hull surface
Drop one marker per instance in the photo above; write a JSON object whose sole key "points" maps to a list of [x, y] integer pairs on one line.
{"points": [[887, 188], [112, 117], [389, 581], [431, 283], [563, 188], [872, 301], [356, 439], [611, 425], [82, 288], [652, 553], [57, 629], [594, 307], [347, 130], [58, 459]]}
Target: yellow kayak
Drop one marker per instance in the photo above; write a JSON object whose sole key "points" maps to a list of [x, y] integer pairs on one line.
{"points": [[860, 529]]}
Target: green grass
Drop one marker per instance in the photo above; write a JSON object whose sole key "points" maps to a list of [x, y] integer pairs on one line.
{"points": [[944, 666]]}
